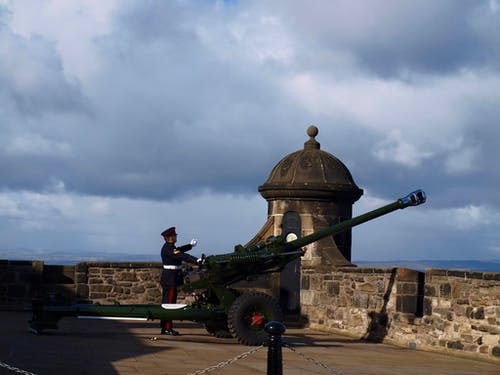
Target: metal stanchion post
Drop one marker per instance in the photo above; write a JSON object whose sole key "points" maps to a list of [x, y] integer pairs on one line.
{"points": [[274, 357]]}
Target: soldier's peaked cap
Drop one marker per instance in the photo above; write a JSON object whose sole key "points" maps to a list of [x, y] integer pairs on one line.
{"points": [[169, 232]]}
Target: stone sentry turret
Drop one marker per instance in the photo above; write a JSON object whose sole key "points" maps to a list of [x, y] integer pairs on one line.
{"points": [[308, 190], [320, 189]]}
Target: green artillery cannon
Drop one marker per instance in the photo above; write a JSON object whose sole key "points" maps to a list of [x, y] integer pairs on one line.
{"points": [[223, 310]]}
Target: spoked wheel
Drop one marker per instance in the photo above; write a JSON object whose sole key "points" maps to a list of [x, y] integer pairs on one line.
{"points": [[249, 314]]}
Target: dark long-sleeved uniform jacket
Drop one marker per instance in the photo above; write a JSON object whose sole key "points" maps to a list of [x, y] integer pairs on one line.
{"points": [[174, 256]]}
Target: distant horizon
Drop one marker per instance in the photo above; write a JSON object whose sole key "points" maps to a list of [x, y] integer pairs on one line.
{"points": [[111, 254], [69, 258]]}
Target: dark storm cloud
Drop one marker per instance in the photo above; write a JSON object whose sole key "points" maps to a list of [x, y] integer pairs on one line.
{"points": [[33, 89], [175, 112], [32, 80], [394, 38], [168, 114], [430, 37], [160, 101], [172, 117]]}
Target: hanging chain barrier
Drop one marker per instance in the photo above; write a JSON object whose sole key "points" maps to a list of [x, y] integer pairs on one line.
{"points": [[315, 361], [228, 362], [256, 349], [15, 369]]}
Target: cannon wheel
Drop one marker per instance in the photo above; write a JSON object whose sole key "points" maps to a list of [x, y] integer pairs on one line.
{"points": [[218, 329], [248, 315]]}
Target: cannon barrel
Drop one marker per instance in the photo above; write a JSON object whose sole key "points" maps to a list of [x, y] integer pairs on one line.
{"points": [[275, 253], [413, 199]]}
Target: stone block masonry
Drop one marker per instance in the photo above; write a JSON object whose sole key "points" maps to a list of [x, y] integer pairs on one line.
{"points": [[22, 280], [15, 277], [462, 311], [456, 312], [123, 283]]}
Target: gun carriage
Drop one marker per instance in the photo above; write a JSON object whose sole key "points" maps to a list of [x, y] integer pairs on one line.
{"points": [[224, 311]]}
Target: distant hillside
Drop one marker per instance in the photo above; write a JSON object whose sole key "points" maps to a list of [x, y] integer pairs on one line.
{"points": [[67, 258], [421, 265]]}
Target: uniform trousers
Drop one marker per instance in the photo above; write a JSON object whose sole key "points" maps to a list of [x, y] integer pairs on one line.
{"points": [[169, 295]]}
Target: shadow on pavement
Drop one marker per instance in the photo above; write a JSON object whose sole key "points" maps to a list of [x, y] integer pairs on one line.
{"points": [[77, 347]]}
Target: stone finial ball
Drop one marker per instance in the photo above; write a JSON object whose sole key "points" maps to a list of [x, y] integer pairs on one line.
{"points": [[312, 131]]}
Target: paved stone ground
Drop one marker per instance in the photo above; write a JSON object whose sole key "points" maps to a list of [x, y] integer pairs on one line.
{"points": [[120, 347]]}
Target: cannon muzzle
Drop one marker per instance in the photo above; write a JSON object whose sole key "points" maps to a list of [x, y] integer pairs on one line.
{"points": [[414, 198]]}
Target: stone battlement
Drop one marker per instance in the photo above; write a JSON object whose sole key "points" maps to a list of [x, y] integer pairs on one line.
{"points": [[456, 312]]}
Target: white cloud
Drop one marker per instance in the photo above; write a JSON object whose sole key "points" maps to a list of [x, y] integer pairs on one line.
{"points": [[462, 161], [494, 6], [469, 217], [396, 148], [35, 144], [72, 25], [99, 207], [9, 207], [265, 40]]}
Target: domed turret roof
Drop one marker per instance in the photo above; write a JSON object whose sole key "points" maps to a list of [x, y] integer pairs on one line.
{"points": [[311, 174]]}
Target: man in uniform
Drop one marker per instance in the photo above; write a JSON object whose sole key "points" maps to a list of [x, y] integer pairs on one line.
{"points": [[172, 277]]}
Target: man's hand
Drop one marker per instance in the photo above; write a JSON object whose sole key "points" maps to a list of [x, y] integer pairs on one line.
{"points": [[193, 242]]}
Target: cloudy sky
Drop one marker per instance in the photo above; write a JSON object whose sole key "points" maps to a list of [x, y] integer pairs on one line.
{"points": [[121, 118]]}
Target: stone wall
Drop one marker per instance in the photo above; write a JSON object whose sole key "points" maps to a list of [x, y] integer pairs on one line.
{"points": [[139, 283], [95, 282], [15, 281], [124, 283], [21, 280], [462, 311], [456, 312]]}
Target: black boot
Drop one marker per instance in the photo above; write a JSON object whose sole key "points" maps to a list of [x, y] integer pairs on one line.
{"points": [[170, 332]]}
